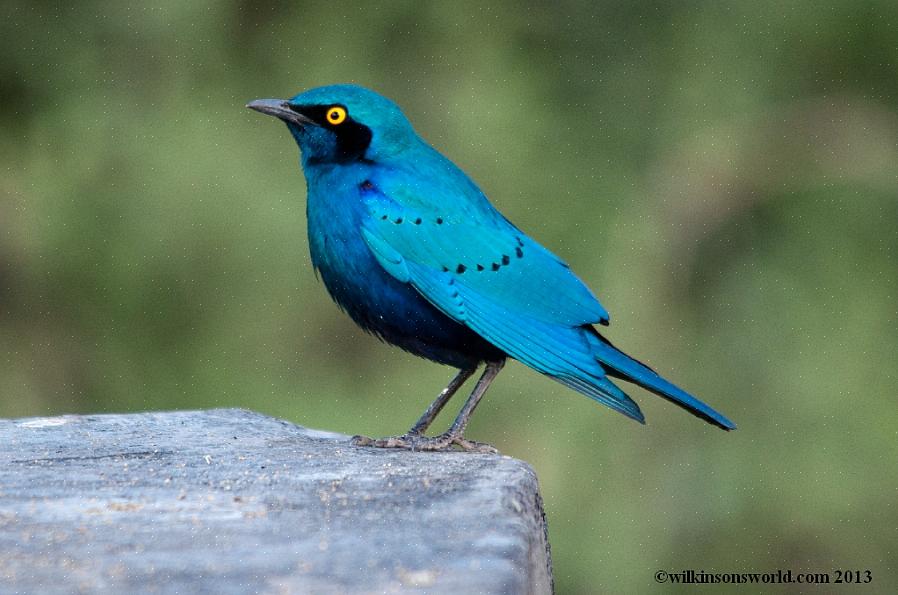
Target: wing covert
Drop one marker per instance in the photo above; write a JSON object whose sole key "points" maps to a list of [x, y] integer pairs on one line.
{"points": [[487, 257]]}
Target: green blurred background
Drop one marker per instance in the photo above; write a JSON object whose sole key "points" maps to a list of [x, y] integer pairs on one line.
{"points": [[724, 175]]}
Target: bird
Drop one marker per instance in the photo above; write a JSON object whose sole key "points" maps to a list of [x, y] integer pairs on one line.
{"points": [[414, 252]]}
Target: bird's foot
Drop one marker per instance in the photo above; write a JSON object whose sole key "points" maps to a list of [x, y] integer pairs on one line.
{"points": [[404, 441], [474, 446], [443, 442]]}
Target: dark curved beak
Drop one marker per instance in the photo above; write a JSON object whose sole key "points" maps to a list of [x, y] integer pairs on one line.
{"points": [[279, 109]]}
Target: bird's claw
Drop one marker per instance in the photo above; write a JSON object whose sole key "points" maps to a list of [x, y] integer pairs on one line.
{"points": [[388, 442], [474, 446], [443, 442]]}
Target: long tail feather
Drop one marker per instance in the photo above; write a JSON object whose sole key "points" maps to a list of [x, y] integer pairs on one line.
{"points": [[621, 365], [606, 392]]}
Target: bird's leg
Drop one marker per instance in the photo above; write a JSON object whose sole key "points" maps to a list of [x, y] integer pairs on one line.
{"points": [[434, 409], [425, 420], [453, 437]]}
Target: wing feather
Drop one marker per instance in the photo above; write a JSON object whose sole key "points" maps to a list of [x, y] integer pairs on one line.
{"points": [[488, 256]]}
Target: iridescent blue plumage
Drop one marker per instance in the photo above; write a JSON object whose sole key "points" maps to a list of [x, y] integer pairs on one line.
{"points": [[414, 252]]}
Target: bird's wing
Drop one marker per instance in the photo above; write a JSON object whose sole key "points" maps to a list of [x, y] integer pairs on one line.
{"points": [[483, 254], [485, 273]]}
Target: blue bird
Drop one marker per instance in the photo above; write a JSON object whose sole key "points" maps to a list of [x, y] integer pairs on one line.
{"points": [[414, 252]]}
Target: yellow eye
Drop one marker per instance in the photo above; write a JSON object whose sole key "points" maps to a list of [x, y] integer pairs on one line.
{"points": [[336, 115]]}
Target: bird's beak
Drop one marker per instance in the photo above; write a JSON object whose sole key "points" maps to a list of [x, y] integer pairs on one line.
{"points": [[279, 109]]}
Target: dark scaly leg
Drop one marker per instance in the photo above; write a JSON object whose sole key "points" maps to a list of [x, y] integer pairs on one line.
{"points": [[425, 420], [455, 433], [414, 439], [431, 413]]}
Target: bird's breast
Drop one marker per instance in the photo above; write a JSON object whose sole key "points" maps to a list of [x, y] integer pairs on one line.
{"points": [[347, 267], [373, 298]]}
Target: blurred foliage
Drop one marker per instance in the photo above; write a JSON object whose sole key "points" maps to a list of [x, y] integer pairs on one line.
{"points": [[724, 175]]}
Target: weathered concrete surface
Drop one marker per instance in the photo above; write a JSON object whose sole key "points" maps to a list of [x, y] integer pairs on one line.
{"points": [[230, 501]]}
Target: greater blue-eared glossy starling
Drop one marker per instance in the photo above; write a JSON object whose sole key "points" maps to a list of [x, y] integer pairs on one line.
{"points": [[414, 252]]}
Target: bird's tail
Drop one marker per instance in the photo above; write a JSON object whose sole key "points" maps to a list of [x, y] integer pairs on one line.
{"points": [[620, 365]]}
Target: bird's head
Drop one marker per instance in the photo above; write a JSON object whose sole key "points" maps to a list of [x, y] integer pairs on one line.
{"points": [[342, 123]]}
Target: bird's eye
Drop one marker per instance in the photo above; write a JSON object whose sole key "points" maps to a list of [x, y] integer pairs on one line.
{"points": [[336, 115]]}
